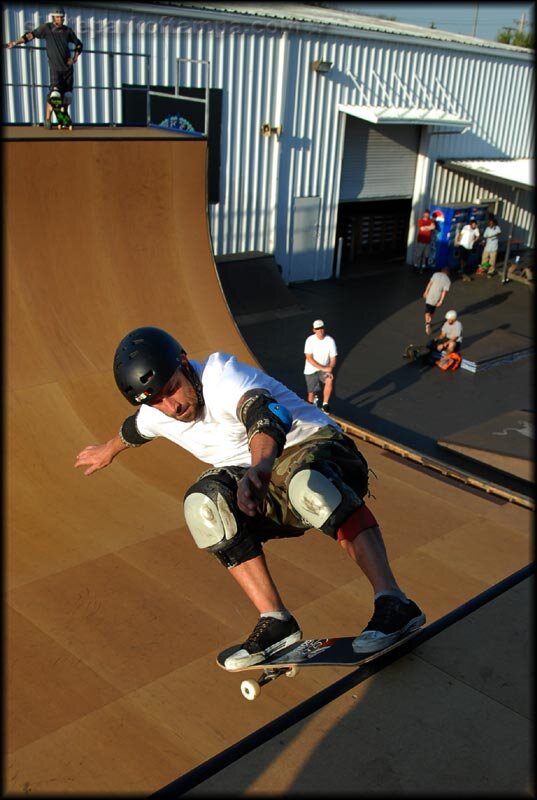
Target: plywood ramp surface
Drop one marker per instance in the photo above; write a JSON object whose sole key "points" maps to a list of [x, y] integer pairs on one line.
{"points": [[114, 617]]}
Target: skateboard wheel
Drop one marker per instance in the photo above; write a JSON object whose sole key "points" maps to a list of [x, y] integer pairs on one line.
{"points": [[292, 672], [250, 689]]}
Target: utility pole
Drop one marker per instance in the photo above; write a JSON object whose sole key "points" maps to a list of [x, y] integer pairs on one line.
{"points": [[522, 22], [476, 15]]}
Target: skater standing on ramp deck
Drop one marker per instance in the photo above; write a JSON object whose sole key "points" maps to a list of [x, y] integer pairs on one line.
{"points": [[57, 38]]}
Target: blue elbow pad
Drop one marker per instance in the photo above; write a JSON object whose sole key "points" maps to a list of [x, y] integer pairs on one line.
{"points": [[261, 413], [283, 414]]}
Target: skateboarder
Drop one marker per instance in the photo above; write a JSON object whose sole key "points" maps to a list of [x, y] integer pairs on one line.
{"points": [[434, 295], [279, 467], [57, 38], [449, 339]]}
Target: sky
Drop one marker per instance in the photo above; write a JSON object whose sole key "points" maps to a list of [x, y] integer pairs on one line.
{"points": [[454, 17]]}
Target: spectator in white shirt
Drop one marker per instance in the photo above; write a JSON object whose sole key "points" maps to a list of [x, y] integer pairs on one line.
{"points": [[491, 236], [467, 238], [320, 352]]}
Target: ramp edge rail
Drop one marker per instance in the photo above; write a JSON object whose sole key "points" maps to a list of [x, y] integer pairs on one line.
{"points": [[439, 466]]}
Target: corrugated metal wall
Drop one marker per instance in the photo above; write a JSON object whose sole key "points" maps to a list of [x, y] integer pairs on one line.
{"points": [[266, 77], [450, 188]]}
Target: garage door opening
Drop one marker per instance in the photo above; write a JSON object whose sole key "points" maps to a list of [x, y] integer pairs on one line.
{"points": [[373, 233]]}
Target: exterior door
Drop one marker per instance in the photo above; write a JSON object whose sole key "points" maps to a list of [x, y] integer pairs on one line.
{"points": [[304, 242]]}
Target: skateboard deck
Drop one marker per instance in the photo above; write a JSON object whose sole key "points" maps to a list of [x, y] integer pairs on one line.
{"points": [[334, 652], [417, 351], [63, 118]]}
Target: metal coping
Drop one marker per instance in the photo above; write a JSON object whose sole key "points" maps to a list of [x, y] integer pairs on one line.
{"points": [[438, 466], [231, 754]]}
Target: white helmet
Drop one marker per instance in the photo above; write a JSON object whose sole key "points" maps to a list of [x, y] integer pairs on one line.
{"points": [[57, 11], [451, 315]]}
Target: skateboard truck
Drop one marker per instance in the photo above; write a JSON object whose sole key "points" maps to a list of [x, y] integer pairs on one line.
{"points": [[250, 689]]}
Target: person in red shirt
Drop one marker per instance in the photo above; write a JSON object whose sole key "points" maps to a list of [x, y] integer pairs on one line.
{"points": [[426, 226]]}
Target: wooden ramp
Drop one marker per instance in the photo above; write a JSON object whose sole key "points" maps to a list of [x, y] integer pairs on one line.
{"points": [[113, 616], [498, 347], [506, 442]]}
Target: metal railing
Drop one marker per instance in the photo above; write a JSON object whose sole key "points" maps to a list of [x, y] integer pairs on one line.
{"points": [[108, 109]]}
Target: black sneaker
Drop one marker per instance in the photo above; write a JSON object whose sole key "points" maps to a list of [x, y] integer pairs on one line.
{"points": [[326, 408], [393, 619], [268, 636]]}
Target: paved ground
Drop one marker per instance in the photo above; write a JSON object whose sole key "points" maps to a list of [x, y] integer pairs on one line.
{"points": [[372, 319]]}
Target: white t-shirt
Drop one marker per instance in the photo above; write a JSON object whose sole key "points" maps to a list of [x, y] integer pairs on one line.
{"points": [[469, 236], [491, 236], [322, 351], [452, 330], [218, 437], [440, 282]]}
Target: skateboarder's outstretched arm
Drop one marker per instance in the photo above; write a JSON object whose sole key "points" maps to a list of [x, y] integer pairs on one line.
{"points": [[98, 456]]}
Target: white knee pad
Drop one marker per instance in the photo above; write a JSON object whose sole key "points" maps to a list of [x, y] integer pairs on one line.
{"points": [[210, 521], [313, 497]]}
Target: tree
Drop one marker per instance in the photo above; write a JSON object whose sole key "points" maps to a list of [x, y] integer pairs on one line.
{"points": [[517, 38]]}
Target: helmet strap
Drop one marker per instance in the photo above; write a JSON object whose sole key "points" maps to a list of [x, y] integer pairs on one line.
{"points": [[190, 373]]}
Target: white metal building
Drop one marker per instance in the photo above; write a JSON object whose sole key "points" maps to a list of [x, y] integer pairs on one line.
{"points": [[356, 111]]}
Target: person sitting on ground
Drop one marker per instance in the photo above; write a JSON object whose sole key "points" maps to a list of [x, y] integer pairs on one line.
{"points": [[450, 338]]}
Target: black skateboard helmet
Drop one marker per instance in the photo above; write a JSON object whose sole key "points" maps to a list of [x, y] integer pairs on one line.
{"points": [[145, 360]]}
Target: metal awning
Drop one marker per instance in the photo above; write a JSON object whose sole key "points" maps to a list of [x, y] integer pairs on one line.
{"points": [[393, 115], [517, 172]]}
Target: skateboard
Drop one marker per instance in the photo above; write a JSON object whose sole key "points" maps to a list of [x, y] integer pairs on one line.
{"points": [[60, 111], [417, 351], [335, 652]]}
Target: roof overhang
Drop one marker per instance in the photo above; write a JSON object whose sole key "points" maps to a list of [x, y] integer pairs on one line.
{"points": [[392, 115], [518, 172]]}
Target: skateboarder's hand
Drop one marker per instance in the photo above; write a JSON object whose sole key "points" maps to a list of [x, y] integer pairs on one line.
{"points": [[252, 490], [98, 456]]}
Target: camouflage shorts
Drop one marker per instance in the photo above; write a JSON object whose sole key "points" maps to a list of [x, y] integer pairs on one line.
{"points": [[328, 444]]}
